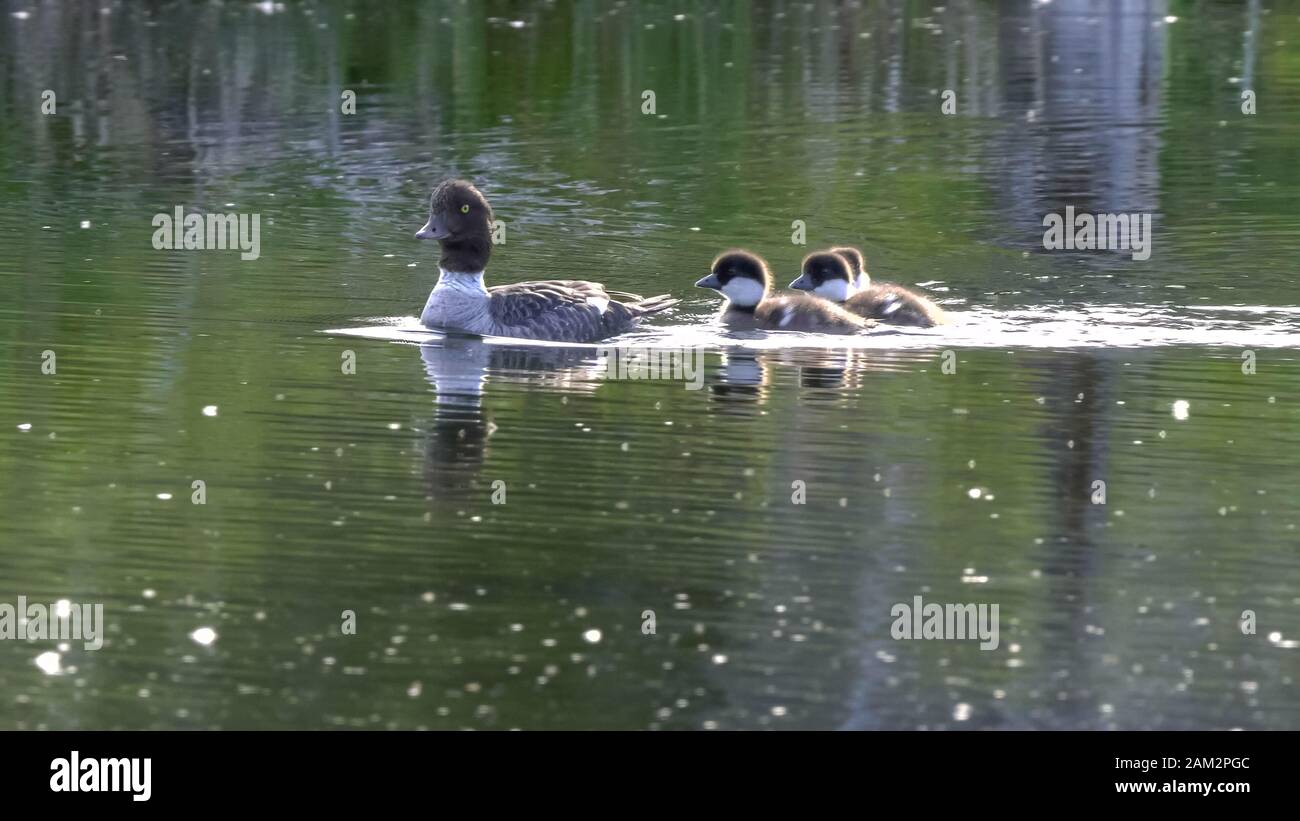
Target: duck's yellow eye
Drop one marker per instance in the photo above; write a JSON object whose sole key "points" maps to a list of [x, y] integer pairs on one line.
{"points": [[464, 209]]}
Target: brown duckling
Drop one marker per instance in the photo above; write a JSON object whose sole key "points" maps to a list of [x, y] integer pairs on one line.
{"points": [[840, 276]]}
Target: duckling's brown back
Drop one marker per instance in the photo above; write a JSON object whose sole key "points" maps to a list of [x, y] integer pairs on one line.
{"points": [[887, 302], [807, 314]]}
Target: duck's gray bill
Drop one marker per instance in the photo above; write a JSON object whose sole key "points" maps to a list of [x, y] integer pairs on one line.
{"points": [[802, 284], [710, 281], [430, 231]]}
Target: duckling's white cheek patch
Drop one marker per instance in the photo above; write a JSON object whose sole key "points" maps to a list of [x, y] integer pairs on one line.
{"points": [[836, 290], [743, 291]]}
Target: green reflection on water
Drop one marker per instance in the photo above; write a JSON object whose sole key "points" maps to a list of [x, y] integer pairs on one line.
{"points": [[328, 492]]}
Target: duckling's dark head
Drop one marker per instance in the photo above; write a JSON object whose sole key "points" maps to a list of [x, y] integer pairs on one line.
{"points": [[742, 277], [461, 220], [857, 263], [827, 274]]}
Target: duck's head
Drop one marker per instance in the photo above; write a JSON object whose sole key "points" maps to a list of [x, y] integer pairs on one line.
{"points": [[826, 274], [456, 210], [742, 277], [857, 263], [461, 220]]}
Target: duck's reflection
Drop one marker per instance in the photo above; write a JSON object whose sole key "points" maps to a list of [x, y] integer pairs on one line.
{"points": [[459, 368], [456, 441]]}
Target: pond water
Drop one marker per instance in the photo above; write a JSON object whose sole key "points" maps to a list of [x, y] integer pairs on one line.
{"points": [[1104, 447]]}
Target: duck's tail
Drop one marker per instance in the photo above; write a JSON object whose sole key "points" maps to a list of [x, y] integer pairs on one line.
{"points": [[651, 305]]}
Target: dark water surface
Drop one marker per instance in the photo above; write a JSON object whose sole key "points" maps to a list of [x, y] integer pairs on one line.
{"points": [[372, 492]]}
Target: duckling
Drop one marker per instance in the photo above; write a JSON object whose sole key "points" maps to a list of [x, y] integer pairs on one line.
{"points": [[857, 264], [745, 280], [563, 310], [840, 276]]}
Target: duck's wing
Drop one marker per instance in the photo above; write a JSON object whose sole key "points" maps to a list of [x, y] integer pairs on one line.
{"points": [[566, 310]]}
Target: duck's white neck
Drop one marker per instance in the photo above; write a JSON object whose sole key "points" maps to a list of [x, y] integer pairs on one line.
{"points": [[471, 283]]}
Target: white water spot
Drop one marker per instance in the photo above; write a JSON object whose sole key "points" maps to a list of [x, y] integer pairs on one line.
{"points": [[961, 712], [592, 636], [974, 493], [778, 711], [719, 658], [49, 663], [1180, 409], [148, 593], [204, 636], [63, 608], [85, 223], [25, 426], [165, 496], [209, 410]]}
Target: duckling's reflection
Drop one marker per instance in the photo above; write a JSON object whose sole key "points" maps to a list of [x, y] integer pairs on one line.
{"points": [[824, 368], [459, 369], [742, 380], [746, 374]]}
